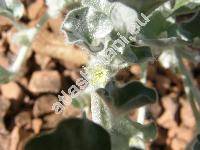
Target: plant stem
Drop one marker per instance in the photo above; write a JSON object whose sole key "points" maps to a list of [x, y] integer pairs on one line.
{"points": [[165, 43], [24, 50], [190, 89], [187, 77], [142, 110], [15, 67], [100, 112], [170, 44]]}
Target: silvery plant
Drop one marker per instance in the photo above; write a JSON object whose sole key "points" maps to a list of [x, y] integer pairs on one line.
{"points": [[116, 34]]}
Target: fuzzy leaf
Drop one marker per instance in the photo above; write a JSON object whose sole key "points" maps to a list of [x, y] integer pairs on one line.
{"points": [[142, 53], [122, 99], [75, 26], [3, 4], [81, 101], [72, 134], [124, 131], [4, 75], [187, 9], [149, 131], [190, 30], [101, 5], [156, 26], [144, 6], [123, 18], [180, 3], [85, 26], [99, 24]]}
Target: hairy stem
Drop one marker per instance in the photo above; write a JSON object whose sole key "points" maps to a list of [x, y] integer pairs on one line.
{"points": [[142, 110], [100, 112], [190, 89], [165, 43], [170, 44]]}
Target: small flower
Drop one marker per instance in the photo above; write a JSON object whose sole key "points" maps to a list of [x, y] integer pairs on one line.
{"points": [[97, 74]]}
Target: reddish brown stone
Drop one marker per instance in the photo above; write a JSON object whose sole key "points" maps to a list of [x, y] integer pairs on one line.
{"points": [[23, 119], [43, 105], [36, 125], [12, 90], [45, 81]]}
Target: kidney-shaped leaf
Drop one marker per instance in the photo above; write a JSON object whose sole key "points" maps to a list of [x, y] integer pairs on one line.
{"points": [[129, 96], [142, 53], [75, 25], [86, 26], [190, 29], [123, 18], [73, 134], [156, 26], [187, 9], [149, 131], [101, 5], [144, 6]]}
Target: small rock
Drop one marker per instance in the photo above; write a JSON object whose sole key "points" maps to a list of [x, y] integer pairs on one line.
{"points": [[12, 90], [155, 110], [151, 72], [178, 144], [55, 23], [5, 21], [2, 47], [123, 75], [4, 61], [4, 106], [136, 70], [23, 81], [43, 105], [74, 75], [186, 114], [45, 81], [36, 125], [42, 60], [34, 9], [162, 136], [185, 133], [23, 119], [167, 119], [162, 84], [14, 138], [5, 142], [51, 121], [25, 136], [71, 111]]}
